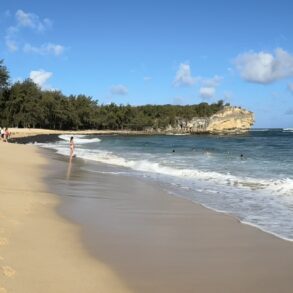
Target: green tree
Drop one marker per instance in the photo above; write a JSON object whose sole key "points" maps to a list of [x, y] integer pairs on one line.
{"points": [[23, 106], [4, 75]]}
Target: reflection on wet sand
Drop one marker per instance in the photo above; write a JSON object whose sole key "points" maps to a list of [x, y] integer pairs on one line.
{"points": [[69, 169]]}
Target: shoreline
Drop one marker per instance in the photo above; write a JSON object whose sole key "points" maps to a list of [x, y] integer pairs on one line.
{"points": [[262, 230], [49, 138], [39, 250], [22, 133]]}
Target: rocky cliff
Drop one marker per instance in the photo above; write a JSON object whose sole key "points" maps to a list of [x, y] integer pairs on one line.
{"points": [[228, 120]]}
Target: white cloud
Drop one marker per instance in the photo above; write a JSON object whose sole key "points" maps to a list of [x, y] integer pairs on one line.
{"points": [[14, 41], [212, 82], [263, 67], [209, 86], [44, 49], [207, 92], [41, 77], [119, 89], [147, 78], [184, 76], [290, 87], [31, 20]]}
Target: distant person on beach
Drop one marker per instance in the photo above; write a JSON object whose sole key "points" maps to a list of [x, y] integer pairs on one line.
{"points": [[6, 135], [2, 133], [72, 146]]}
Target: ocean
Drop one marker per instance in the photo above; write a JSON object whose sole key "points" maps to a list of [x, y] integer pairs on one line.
{"points": [[248, 176]]}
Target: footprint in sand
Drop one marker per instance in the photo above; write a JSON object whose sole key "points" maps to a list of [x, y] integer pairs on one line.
{"points": [[3, 290], [8, 271], [3, 241]]}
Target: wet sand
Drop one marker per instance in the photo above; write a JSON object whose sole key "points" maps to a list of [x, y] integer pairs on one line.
{"points": [[41, 252], [157, 242]]}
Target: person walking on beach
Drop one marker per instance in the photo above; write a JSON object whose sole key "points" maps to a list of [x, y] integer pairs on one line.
{"points": [[72, 146]]}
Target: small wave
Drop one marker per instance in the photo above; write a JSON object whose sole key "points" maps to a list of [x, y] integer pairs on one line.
{"points": [[282, 186], [79, 139], [178, 134], [287, 129]]}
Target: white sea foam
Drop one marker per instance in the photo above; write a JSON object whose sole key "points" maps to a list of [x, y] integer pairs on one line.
{"points": [[259, 129], [283, 187], [178, 134], [288, 129], [79, 139], [267, 231]]}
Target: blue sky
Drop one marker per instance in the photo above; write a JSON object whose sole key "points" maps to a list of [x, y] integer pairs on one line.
{"points": [[138, 52]]}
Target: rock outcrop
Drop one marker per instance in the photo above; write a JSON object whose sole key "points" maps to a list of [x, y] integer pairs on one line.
{"points": [[228, 120]]}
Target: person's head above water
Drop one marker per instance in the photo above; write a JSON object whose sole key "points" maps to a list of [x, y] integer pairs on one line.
{"points": [[71, 138]]}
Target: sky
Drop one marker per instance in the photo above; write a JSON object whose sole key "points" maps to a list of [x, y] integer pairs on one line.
{"points": [[157, 52]]}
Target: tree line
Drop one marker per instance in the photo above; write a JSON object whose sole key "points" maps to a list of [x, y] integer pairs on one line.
{"points": [[25, 104]]}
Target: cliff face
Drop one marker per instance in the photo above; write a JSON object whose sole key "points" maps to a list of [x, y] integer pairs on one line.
{"points": [[228, 120]]}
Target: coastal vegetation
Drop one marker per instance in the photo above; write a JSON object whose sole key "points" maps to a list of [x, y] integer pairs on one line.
{"points": [[25, 104]]}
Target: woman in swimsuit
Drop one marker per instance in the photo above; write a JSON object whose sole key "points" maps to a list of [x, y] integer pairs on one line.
{"points": [[72, 146]]}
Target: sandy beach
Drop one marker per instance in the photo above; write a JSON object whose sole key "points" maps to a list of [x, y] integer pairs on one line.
{"points": [[40, 251], [30, 132], [76, 228]]}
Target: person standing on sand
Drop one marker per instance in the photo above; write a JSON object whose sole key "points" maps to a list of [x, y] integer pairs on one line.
{"points": [[2, 133], [6, 135], [72, 146]]}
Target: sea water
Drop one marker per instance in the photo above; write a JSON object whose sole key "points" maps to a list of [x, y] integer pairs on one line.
{"points": [[249, 176]]}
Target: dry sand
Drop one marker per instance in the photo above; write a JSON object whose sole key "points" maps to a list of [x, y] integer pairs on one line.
{"points": [[39, 251]]}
